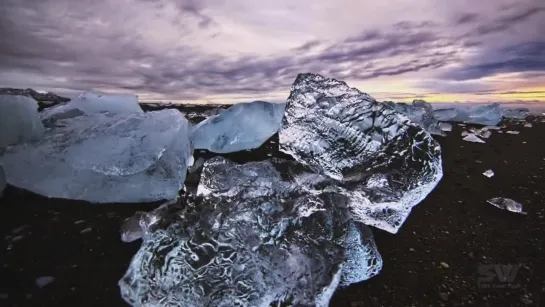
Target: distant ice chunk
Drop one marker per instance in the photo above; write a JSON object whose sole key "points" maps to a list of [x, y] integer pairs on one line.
{"points": [[254, 244], [506, 204], [490, 114], [470, 137], [421, 113], [242, 126], [387, 163], [106, 158], [90, 103], [489, 173], [520, 113], [44, 281], [528, 125], [2, 180], [19, 120], [512, 132]]}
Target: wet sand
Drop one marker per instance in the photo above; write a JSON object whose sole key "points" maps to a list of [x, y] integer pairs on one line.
{"points": [[79, 244]]}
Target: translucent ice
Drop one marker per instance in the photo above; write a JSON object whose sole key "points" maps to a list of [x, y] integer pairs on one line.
{"points": [[490, 114], [470, 137], [387, 163], [251, 245], [520, 113], [106, 158], [19, 120], [90, 103], [242, 126], [421, 113], [506, 204], [445, 126]]}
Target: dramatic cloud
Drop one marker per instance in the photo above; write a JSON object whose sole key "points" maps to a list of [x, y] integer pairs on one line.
{"points": [[228, 51]]}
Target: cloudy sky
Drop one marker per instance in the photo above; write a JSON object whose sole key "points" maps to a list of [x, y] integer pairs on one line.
{"points": [[221, 51]]}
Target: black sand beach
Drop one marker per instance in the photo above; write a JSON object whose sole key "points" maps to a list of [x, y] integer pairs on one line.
{"points": [[433, 261]]}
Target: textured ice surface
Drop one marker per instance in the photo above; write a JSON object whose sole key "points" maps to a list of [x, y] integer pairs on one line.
{"points": [[19, 120], [490, 114], [519, 113], [90, 103], [387, 163], [506, 204], [242, 126], [419, 112], [2, 180], [489, 173], [247, 242], [131, 229], [447, 127], [106, 158]]}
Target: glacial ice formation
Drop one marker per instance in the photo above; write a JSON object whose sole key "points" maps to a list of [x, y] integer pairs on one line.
{"points": [[105, 158], [490, 114], [242, 126], [386, 163], [19, 120], [253, 237], [90, 103]]}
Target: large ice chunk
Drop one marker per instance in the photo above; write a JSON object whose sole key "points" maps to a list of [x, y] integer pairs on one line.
{"points": [[519, 113], [250, 243], [386, 162], [489, 114], [19, 120], [421, 113], [106, 158], [242, 126], [89, 103]]}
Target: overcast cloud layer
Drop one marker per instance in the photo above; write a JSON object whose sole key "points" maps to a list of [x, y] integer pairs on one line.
{"points": [[240, 50]]}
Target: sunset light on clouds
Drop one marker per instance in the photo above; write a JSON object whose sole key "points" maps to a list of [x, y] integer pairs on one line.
{"points": [[216, 51]]}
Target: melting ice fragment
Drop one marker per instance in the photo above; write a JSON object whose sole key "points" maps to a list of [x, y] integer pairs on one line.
{"points": [[19, 120], [242, 126], [44, 281], [250, 244], [506, 204], [447, 127], [490, 114], [387, 163], [512, 132], [489, 173], [470, 137], [106, 158]]}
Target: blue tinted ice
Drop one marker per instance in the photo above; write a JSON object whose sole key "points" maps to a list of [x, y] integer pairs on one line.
{"points": [[242, 126], [19, 120], [489, 114]]}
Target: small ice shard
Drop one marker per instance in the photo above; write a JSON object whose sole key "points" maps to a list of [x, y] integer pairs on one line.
{"points": [[90, 103], [519, 113], [131, 229], [465, 133], [528, 125], [489, 173], [44, 281], [512, 132], [506, 204], [19, 120], [105, 158], [447, 127], [491, 128], [255, 244], [345, 134], [2, 180], [482, 133], [241, 127], [473, 138], [490, 114]]}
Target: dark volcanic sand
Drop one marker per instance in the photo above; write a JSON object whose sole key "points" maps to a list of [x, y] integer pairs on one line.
{"points": [[455, 225]]}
